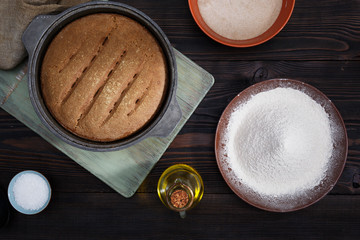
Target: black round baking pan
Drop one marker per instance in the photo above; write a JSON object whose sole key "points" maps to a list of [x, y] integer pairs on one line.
{"points": [[39, 35]]}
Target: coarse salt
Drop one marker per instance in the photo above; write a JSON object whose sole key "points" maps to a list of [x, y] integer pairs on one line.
{"points": [[31, 192], [279, 142]]}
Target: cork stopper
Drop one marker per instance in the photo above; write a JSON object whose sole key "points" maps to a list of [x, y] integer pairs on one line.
{"points": [[179, 198]]}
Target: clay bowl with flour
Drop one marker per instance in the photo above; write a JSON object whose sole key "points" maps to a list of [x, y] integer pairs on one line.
{"points": [[273, 29], [280, 203]]}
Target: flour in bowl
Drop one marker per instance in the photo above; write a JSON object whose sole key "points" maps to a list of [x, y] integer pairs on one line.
{"points": [[279, 142], [239, 19]]}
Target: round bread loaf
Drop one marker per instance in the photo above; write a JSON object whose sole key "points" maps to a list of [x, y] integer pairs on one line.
{"points": [[103, 77]]}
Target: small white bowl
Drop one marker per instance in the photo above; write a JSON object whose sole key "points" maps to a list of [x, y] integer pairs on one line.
{"points": [[12, 197]]}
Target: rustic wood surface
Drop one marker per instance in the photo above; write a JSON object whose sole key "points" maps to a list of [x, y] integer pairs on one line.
{"points": [[320, 45], [124, 170]]}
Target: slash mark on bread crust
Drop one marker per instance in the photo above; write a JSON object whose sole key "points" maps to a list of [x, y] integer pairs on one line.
{"points": [[69, 60], [100, 89], [120, 99], [139, 101], [78, 79]]}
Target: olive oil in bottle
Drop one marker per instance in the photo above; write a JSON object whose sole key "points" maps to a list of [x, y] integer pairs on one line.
{"points": [[180, 188]]}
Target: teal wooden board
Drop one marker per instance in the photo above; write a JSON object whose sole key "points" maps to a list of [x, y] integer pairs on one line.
{"points": [[122, 170]]}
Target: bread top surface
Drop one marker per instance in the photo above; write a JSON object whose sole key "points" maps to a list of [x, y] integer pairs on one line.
{"points": [[103, 77]]}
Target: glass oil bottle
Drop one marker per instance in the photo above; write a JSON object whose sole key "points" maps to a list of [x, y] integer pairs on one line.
{"points": [[180, 188]]}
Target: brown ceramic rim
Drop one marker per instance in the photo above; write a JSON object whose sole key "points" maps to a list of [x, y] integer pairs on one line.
{"points": [[340, 148], [283, 18]]}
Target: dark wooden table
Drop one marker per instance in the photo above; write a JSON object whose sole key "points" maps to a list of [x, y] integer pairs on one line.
{"points": [[320, 45]]}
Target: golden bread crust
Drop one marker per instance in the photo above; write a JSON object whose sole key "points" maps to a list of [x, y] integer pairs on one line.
{"points": [[103, 77]]}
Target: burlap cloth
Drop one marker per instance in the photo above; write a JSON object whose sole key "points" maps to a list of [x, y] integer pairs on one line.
{"points": [[15, 15]]}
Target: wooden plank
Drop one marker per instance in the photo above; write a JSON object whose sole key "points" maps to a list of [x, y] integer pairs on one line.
{"points": [[126, 169], [338, 80], [317, 30], [195, 143], [9, 81], [218, 216], [320, 46]]}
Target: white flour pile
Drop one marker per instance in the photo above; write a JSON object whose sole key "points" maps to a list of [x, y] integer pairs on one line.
{"points": [[279, 142], [239, 19]]}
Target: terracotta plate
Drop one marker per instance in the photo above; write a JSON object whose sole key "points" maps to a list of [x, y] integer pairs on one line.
{"points": [[300, 200], [285, 13]]}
